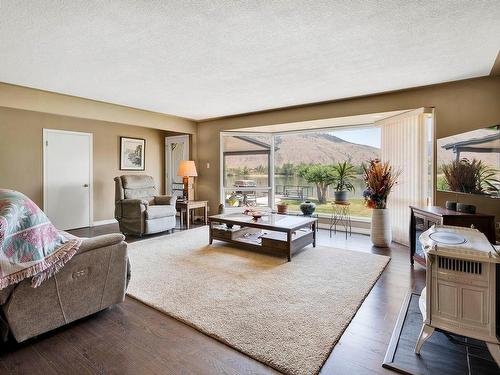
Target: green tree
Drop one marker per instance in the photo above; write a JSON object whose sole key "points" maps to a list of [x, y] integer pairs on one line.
{"points": [[245, 171], [301, 169], [320, 175], [287, 169], [260, 169]]}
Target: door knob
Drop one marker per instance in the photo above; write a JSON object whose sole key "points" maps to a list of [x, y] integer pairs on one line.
{"points": [[85, 185]]}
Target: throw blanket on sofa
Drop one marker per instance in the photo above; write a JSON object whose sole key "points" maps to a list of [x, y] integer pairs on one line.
{"points": [[30, 246]]}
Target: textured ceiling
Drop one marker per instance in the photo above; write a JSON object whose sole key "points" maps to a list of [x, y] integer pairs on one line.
{"points": [[203, 59]]}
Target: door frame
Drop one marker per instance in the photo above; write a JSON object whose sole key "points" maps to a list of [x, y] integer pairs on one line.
{"points": [[91, 168], [168, 172]]}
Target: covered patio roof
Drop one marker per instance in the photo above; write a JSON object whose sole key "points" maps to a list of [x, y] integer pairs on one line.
{"points": [[486, 144], [240, 144]]}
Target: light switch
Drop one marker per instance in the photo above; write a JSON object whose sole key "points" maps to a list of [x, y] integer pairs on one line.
{"points": [[208, 165]]}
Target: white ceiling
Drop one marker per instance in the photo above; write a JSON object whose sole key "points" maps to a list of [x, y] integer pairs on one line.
{"points": [[204, 59]]}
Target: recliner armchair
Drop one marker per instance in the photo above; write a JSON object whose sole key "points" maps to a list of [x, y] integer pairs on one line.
{"points": [[138, 207], [93, 280]]}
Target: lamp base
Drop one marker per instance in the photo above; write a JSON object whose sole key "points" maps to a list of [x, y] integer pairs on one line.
{"points": [[188, 191]]}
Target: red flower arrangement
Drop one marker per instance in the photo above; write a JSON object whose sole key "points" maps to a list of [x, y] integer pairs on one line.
{"points": [[380, 179]]}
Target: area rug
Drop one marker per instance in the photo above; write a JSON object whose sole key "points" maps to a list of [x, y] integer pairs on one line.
{"points": [[288, 315]]}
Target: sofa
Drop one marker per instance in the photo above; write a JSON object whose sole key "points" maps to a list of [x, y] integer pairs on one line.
{"points": [[139, 209], [93, 280]]}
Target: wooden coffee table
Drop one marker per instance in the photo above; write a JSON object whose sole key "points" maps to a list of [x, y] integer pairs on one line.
{"points": [[273, 233]]}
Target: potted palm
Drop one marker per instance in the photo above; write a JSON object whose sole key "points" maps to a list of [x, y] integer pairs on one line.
{"points": [[380, 178], [345, 174]]}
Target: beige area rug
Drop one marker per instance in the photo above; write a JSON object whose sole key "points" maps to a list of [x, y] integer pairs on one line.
{"points": [[288, 315]]}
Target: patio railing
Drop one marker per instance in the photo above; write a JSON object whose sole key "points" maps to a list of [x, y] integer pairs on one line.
{"points": [[295, 192]]}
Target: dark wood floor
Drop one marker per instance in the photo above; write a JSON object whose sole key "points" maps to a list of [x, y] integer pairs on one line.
{"points": [[132, 338]]}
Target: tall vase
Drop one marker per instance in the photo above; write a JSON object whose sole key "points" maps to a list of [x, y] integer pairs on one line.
{"points": [[381, 233]]}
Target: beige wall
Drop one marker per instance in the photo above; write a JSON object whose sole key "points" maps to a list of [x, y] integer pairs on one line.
{"points": [[21, 153], [459, 107], [12, 96]]}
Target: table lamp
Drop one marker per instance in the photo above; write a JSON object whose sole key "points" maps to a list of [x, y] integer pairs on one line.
{"points": [[187, 170]]}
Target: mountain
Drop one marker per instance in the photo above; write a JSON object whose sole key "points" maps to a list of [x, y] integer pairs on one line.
{"points": [[309, 148]]}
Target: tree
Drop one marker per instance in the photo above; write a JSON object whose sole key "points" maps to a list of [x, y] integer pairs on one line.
{"points": [[260, 169], [301, 169], [320, 175], [288, 169]]}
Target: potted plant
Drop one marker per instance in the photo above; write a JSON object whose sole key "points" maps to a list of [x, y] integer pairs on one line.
{"points": [[470, 176], [345, 174], [282, 207], [380, 179]]}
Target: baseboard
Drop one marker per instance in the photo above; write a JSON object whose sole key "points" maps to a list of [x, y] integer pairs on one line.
{"points": [[104, 222], [340, 228]]}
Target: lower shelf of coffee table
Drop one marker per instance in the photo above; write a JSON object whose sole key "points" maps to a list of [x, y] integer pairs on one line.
{"points": [[267, 241]]}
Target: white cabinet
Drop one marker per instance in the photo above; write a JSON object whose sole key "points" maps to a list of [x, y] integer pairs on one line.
{"points": [[461, 285]]}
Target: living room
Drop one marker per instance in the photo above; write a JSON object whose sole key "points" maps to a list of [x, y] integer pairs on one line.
{"points": [[217, 187]]}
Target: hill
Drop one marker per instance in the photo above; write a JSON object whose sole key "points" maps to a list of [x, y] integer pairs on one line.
{"points": [[309, 148]]}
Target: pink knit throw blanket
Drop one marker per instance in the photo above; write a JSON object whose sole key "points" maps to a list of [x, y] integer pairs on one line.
{"points": [[30, 246]]}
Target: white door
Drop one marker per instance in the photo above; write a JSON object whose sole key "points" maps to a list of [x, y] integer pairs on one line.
{"points": [[67, 178], [176, 149]]}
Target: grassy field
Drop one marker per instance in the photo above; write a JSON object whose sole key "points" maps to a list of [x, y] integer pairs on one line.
{"points": [[357, 207]]}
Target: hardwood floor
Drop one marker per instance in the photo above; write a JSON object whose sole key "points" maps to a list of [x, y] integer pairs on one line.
{"points": [[132, 338]]}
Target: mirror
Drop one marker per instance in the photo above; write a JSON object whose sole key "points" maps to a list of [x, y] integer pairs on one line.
{"points": [[470, 162]]}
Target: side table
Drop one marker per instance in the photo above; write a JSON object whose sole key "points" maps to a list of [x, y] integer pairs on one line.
{"points": [[341, 215], [184, 208]]}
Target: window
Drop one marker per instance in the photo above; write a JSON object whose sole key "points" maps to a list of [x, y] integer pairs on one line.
{"points": [[246, 170], [264, 169], [323, 148], [261, 170]]}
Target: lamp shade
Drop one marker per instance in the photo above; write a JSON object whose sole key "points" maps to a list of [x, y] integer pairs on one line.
{"points": [[187, 169]]}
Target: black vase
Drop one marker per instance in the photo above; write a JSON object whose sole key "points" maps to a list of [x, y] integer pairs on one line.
{"points": [[450, 205], [466, 208], [307, 208]]}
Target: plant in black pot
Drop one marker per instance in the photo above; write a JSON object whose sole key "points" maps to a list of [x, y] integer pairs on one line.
{"points": [[345, 174]]}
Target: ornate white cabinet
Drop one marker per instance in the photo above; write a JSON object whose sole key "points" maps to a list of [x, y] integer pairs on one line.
{"points": [[462, 285]]}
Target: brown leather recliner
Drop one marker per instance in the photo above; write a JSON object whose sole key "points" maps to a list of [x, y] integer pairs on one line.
{"points": [[139, 208]]}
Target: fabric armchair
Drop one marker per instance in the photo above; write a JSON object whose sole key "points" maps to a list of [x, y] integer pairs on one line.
{"points": [[93, 280], [166, 199], [139, 208]]}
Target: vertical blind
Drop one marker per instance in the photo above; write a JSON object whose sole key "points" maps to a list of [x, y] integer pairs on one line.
{"points": [[406, 143]]}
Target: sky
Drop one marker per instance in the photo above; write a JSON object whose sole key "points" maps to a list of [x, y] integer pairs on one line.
{"points": [[365, 136]]}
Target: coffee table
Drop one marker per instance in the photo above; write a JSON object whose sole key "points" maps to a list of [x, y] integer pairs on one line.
{"points": [[272, 233]]}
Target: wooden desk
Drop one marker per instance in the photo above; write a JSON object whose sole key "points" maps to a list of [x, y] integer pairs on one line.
{"points": [[185, 206]]}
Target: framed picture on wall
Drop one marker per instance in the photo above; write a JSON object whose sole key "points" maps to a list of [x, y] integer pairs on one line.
{"points": [[132, 154]]}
